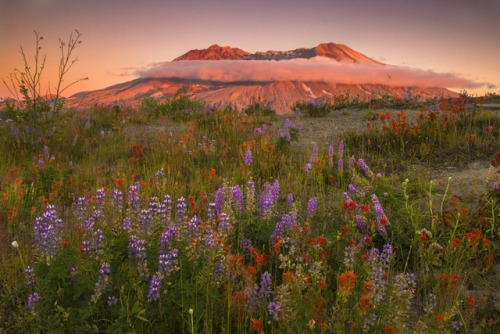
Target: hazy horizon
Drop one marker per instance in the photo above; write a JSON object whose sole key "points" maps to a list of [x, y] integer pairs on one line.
{"points": [[449, 39]]}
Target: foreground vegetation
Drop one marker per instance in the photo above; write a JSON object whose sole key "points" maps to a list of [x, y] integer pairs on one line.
{"points": [[181, 217]]}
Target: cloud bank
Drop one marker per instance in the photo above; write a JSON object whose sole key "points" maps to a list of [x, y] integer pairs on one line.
{"points": [[314, 69]]}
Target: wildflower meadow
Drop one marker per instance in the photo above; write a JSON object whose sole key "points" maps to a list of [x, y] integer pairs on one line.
{"points": [[179, 217]]}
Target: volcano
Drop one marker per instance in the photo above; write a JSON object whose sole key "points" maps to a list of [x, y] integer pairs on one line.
{"points": [[226, 75]]}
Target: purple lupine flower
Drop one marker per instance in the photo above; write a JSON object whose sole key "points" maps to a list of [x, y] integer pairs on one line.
{"points": [[496, 185], [286, 221], [47, 235], [287, 136], [85, 246], [133, 196], [166, 261], [219, 200], [315, 149], [265, 204], [81, 209], [287, 124], [274, 310], [40, 163], [192, 227], [352, 189], [330, 150], [360, 224], [311, 159], [117, 199], [238, 196], [32, 299], [341, 148], [100, 197], [289, 200], [181, 209], [27, 129], [154, 289], [153, 205], [341, 165], [112, 300], [160, 174], [312, 206], [137, 247], [347, 198], [102, 282], [98, 240], [70, 165], [248, 157], [246, 244], [382, 220], [307, 167], [45, 150], [366, 190], [224, 223], [275, 191], [211, 211], [299, 127], [126, 224], [145, 218], [167, 236], [297, 113], [31, 277], [265, 285], [363, 165]]}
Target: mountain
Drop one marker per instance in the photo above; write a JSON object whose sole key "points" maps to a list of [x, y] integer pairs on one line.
{"points": [[214, 52], [281, 95], [339, 52]]}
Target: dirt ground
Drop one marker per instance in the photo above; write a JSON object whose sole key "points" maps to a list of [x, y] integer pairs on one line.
{"points": [[467, 179]]}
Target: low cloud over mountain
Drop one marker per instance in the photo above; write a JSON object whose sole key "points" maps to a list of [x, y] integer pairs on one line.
{"points": [[320, 69]]}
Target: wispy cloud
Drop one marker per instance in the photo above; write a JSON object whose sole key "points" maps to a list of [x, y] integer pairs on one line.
{"points": [[314, 69]]}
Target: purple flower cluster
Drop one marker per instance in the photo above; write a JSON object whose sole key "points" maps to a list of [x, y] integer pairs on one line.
{"points": [[167, 236], [248, 158], [363, 165], [274, 310], [154, 289], [100, 198], [127, 224], [31, 277], [238, 196], [382, 220], [137, 248], [133, 196], [181, 209], [361, 225], [112, 300], [117, 199], [32, 299], [47, 235], [307, 167], [289, 200], [102, 282], [352, 189], [166, 261], [145, 217], [81, 209], [192, 227], [312, 205], [246, 244]]}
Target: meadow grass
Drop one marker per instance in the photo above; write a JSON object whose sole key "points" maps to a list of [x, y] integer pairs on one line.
{"points": [[180, 217]]}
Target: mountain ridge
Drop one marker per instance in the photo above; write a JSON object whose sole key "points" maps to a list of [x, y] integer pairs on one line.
{"points": [[339, 52]]}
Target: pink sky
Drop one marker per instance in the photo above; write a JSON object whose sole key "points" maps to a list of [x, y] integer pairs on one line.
{"points": [[458, 38]]}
